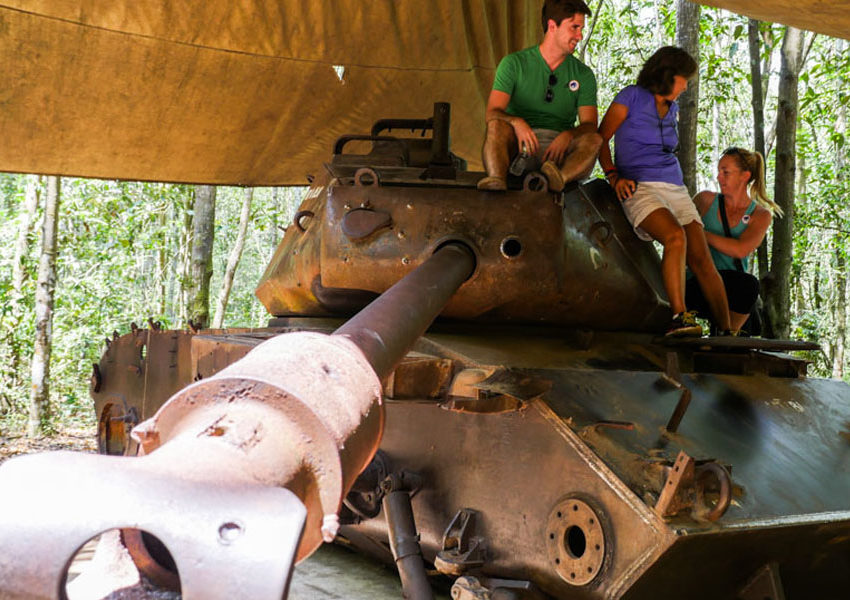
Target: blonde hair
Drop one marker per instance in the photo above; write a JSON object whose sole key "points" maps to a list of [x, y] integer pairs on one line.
{"points": [[754, 163]]}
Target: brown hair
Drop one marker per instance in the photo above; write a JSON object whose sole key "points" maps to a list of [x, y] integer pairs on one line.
{"points": [[558, 10], [658, 71], [754, 163]]}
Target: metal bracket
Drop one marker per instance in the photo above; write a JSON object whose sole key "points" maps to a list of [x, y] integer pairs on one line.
{"points": [[490, 588], [673, 376], [130, 416], [685, 488], [494, 390], [364, 499], [461, 549]]}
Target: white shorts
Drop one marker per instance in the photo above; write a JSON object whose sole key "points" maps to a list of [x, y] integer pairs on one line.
{"points": [[652, 195]]}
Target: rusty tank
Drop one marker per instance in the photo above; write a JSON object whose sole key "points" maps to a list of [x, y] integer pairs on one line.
{"points": [[539, 439]]}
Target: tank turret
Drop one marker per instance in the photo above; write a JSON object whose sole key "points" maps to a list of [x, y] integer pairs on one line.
{"points": [[557, 259]]}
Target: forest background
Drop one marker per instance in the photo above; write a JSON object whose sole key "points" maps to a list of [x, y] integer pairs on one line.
{"points": [[129, 251]]}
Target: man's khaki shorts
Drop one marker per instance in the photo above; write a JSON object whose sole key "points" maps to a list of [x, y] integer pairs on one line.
{"points": [[544, 138], [652, 195]]}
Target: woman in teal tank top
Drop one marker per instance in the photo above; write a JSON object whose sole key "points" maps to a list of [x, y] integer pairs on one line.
{"points": [[749, 212]]}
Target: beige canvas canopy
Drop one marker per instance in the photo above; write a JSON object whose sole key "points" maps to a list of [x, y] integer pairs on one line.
{"points": [[830, 17], [255, 92]]}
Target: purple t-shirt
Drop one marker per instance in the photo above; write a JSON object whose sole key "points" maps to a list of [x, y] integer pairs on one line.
{"points": [[644, 143]]}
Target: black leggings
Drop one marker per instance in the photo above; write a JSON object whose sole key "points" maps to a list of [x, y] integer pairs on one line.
{"points": [[742, 291]]}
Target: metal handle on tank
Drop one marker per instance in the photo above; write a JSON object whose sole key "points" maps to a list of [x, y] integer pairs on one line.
{"points": [[725, 497]]}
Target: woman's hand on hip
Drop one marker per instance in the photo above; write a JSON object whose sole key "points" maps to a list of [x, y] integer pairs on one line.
{"points": [[624, 188]]}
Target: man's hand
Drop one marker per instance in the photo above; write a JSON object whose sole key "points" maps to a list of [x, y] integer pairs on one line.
{"points": [[624, 188], [525, 135], [557, 150]]}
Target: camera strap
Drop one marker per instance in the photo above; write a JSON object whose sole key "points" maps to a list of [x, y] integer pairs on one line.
{"points": [[722, 201]]}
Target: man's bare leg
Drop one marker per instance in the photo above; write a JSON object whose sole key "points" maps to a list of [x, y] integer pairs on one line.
{"points": [[582, 156], [578, 162], [500, 138]]}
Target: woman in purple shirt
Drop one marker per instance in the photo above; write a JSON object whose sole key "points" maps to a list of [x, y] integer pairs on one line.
{"points": [[648, 181]]}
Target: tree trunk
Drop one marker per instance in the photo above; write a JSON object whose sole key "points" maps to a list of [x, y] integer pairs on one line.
{"points": [[12, 321], [27, 214], [758, 120], [161, 260], [840, 312], [840, 247], [203, 235], [777, 300], [233, 259], [590, 29], [715, 132], [39, 413], [687, 37], [659, 34]]}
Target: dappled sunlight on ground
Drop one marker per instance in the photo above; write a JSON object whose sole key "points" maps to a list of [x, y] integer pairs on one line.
{"points": [[76, 439]]}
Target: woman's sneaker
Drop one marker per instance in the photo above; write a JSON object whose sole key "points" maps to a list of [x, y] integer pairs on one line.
{"points": [[684, 324]]}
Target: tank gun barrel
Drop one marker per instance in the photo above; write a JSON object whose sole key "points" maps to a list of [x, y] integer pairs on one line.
{"points": [[386, 329], [254, 461]]}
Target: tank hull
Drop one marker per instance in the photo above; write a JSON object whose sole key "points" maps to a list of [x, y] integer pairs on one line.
{"points": [[547, 440], [587, 421]]}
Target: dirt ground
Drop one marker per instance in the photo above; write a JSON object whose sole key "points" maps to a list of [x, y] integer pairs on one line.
{"points": [[78, 440]]}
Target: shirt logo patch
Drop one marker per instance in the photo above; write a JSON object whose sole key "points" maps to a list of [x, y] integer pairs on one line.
{"points": [[574, 85], [745, 219]]}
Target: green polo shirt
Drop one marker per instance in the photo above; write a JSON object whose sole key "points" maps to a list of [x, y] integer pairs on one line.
{"points": [[525, 76]]}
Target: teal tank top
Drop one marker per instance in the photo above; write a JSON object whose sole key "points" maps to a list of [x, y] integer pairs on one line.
{"points": [[711, 221]]}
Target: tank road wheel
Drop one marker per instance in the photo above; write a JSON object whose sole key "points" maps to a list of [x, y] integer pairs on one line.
{"points": [[575, 541]]}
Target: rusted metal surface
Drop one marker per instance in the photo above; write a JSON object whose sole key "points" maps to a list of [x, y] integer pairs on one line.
{"points": [[418, 377], [685, 488], [389, 326], [403, 538], [765, 583], [542, 464], [142, 369], [326, 388], [285, 288], [674, 377], [541, 257], [777, 433], [583, 463], [575, 540], [462, 550], [550, 275], [622, 470], [301, 411], [244, 533], [360, 223]]}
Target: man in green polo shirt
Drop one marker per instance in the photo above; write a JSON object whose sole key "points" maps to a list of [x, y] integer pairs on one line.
{"points": [[537, 95]]}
